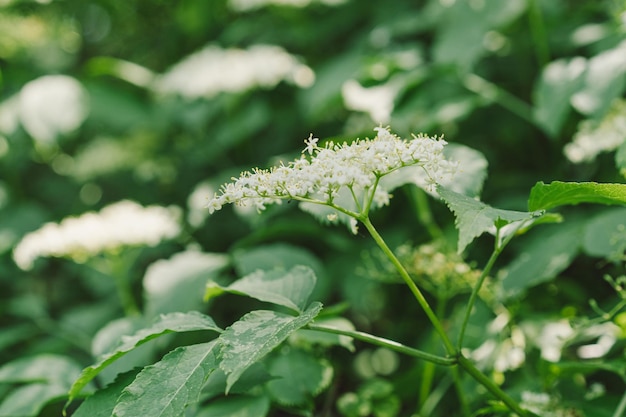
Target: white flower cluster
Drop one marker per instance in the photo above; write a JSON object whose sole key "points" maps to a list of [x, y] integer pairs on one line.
{"points": [[124, 223], [247, 5], [328, 170], [214, 70], [594, 137]]}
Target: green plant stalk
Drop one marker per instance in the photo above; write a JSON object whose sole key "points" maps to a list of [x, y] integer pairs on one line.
{"points": [[538, 33], [428, 373], [117, 268], [456, 379], [410, 283], [498, 248], [621, 407], [493, 93], [491, 386], [424, 214], [386, 343]]}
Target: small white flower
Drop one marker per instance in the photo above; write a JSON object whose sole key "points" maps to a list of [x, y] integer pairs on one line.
{"points": [[311, 144]]}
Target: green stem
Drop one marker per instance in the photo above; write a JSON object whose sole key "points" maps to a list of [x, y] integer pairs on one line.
{"points": [[475, 290], [538, 33], [410, 283], [424, 214], [386, 343], [498, 248], [456, 378], [621, 407], [428, 373], [495, 94], [491, 386]]}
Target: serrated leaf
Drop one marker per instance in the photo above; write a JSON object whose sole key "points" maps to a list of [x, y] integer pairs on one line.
{"points": [[102, 402], [237, 406], [557, 193], [29, 400], [254, 376], [176, 284], [300, 377], [559, 80], [289, 289], [605, 234], [169, 386], [542, 257], [255, 335], [168, 323], [41, 368], [473, 217]]}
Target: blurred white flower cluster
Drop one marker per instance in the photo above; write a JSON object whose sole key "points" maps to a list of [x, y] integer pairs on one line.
{"points": [[247, 5], [47, 107], [214, 70], [124, 223], [594, 137], [356, 167]]}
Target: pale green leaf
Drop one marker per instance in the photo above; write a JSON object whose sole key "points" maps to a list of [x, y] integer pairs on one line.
{"points": [[542, 257], [48, 368], [290, 288], [176, 284], [278, 255], [473, 218], [168, 323], [558, 82], [255, 335], [102, 402], [467, 180], [557, 193], [300, 377], [29, 400], [237, 406], [169, 386], [605, 234]]}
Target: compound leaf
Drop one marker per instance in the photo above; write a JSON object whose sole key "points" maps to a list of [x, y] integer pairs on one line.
{"points": [[289, 289], [166, 388], [167, 323], [255, 335], [473, 217]]}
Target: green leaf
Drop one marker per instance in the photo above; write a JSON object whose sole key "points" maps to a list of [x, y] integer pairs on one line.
{"points": [[542, 257], [279, 255], [168, 323], [473, 218], [300, 377], [176, 284], [620, 159], [559, 81], [29, 400], [605, 234], [254, 376], [169, 386], [255, 335], [290, 288], [47, 368], [102, 402], [237, 406], [557, 193]]}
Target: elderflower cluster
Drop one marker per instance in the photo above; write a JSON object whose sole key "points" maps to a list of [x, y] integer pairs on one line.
{"points": [[324, 175], [124, 223]]}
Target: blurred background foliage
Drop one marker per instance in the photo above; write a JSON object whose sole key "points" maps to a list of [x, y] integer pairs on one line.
{"points": [[159, 102]]}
